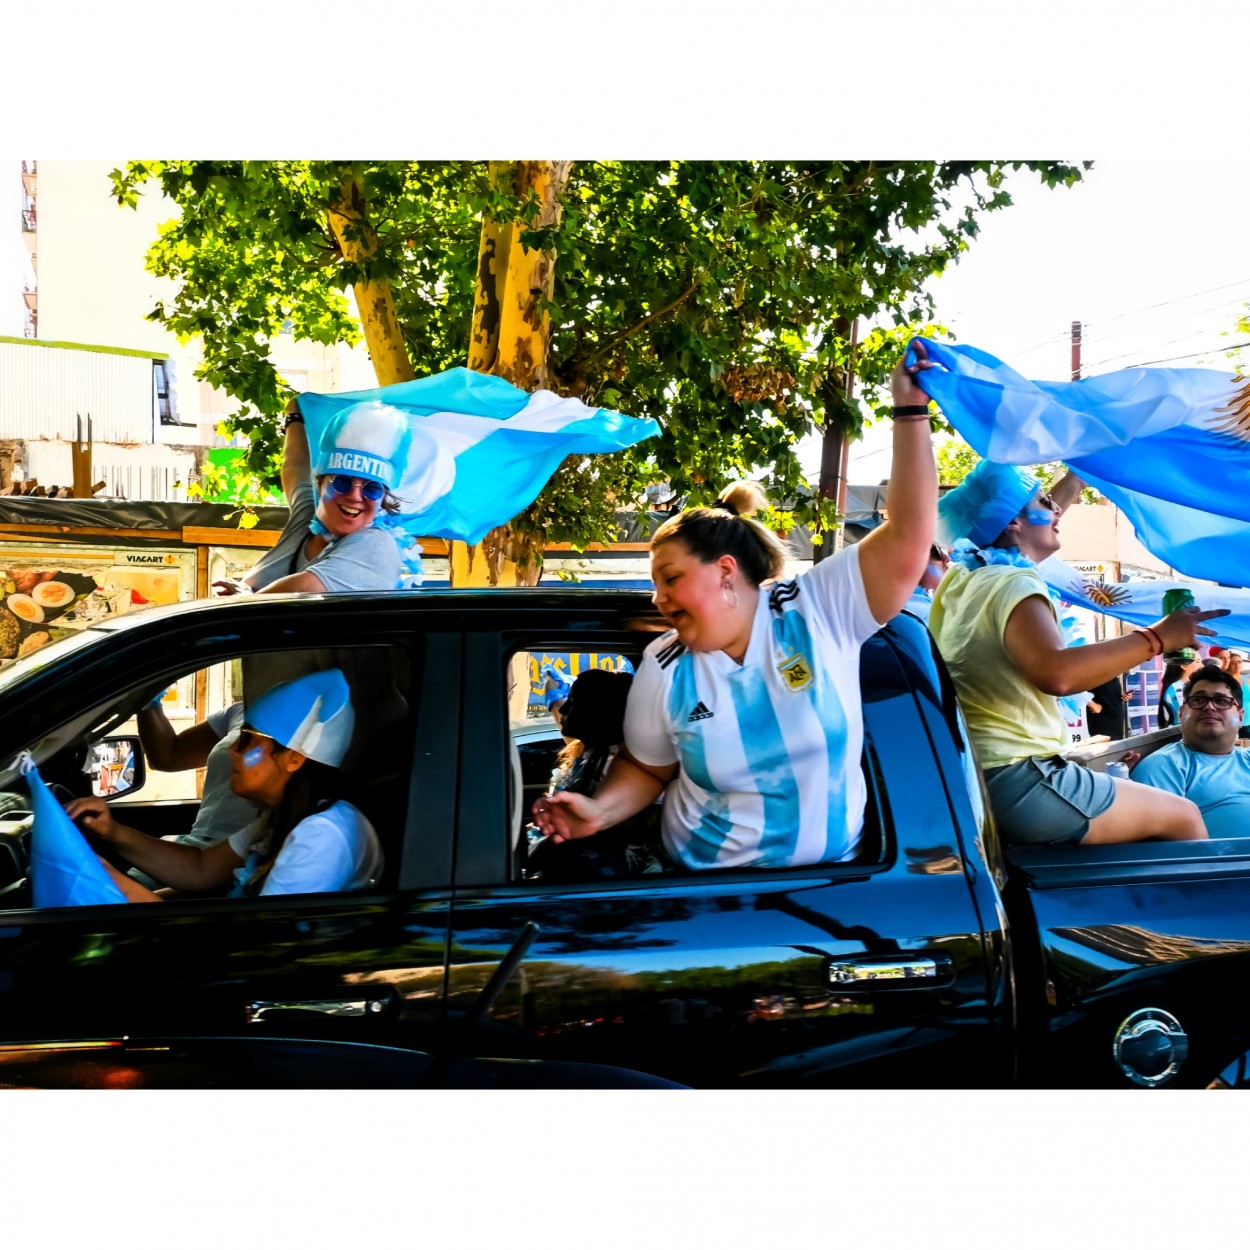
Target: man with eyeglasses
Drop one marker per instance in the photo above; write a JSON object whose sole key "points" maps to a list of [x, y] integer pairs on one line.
{"points": [[1205, 766]]}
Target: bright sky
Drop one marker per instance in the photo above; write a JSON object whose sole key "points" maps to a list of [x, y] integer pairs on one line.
{"points": [[1156, 268]]}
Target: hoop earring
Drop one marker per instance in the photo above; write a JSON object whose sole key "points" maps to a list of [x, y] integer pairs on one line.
{"points": [[729, 594]]}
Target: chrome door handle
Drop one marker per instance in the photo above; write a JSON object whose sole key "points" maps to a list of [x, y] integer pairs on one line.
{"points": [[344, 1008], [868, 972]]}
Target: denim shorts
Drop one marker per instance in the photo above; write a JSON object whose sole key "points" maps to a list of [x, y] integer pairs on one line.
{"points": [[1046, 799]]}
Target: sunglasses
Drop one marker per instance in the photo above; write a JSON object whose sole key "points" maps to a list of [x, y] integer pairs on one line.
{"points": [[249, 737], [341, 484], [1221, 701]]}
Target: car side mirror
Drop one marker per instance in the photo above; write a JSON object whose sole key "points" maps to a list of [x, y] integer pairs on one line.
{"points": [[116, 766]]}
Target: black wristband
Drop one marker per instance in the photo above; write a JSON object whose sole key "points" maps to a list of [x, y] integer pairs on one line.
{"points": [[293, 418], [910, 410]]}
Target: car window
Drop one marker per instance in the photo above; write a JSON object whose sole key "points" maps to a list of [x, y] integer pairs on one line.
{"points": [[542, 757], [75, 762]]}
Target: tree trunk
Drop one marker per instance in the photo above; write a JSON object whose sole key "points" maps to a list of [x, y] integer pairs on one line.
{"points": [[835, 448], [358, 242], [510, 337]]}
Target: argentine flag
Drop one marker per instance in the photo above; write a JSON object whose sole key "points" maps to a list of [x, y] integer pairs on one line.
{"points": [[482, 449], [1169, 447], [1141, 602], [64, 870]]}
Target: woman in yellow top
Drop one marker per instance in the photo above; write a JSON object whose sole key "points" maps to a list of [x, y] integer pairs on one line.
{"points": [[999, 634]]}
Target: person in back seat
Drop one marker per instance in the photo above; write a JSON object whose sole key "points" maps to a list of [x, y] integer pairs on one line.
{"points": [[1206, 766], [594, 726], [998, 632], [286, 760], [747, 712]]}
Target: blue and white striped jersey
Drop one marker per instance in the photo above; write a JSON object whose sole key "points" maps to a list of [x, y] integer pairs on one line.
{"points": [[769, 749]]}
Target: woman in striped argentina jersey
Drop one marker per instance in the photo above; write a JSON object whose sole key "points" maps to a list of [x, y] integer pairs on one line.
{"points": [[747, 713]]}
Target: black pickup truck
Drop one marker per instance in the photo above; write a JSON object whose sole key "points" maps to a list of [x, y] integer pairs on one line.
{"points": [[936, 959]]}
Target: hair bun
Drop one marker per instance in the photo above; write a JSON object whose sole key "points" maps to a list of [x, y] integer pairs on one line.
{"points": [[742, 499]]}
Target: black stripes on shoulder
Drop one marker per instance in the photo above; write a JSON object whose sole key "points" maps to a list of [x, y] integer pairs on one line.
{"points": [[666, 655], [782, 593]]}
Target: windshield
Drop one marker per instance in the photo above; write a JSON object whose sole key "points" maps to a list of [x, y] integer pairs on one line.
{"points": [[45, 657]]}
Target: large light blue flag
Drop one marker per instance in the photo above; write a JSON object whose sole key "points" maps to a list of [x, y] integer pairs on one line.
{"points": [[1169, 447], [64, 870], [482, 449], [1141, 602]]}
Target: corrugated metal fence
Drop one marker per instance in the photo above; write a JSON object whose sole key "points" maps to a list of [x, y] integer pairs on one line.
{"points": [[43, 387]]}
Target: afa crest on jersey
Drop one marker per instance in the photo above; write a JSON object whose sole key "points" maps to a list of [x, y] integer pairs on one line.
{"points": [[795, 670]]}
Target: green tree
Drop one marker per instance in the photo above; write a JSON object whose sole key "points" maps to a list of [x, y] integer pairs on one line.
{"points": [[717, 297]]}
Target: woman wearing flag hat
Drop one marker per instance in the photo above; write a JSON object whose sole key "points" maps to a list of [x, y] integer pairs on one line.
{"points": [[334, 538], [747, 712], [286, 760], [999, 633]]}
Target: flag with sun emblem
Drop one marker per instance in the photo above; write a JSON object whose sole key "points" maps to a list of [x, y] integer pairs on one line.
{"points": [[1141, 602], [1169, 447]]}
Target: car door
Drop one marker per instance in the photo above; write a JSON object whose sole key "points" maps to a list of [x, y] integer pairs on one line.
{"points": [[360, 966], [873, 972]]}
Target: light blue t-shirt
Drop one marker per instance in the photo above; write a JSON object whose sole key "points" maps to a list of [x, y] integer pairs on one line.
{"points": [[1218, 784], [919, 604]]}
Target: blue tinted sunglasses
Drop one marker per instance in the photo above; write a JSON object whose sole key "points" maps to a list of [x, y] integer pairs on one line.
{"points": [[341, 484]]}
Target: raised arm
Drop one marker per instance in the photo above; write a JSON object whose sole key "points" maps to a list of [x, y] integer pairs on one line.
{"points": [[170, 752], [1066, 491], [893, 556], [296, 461]]}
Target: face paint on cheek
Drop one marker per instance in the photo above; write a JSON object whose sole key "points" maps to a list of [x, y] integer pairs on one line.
{"points": [[1039, 516], [254, 756]]}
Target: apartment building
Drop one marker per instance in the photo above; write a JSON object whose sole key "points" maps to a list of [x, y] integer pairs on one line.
{"points": [[75, 274]]}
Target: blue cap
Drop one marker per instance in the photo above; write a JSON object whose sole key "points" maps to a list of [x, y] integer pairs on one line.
{"points": [[369, 440], [312, 715], [984, 503]]}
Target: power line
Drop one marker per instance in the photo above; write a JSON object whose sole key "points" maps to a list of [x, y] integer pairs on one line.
{"points": [[1175, 300], [1179, 318], [1106, 360], [1141, 364]]}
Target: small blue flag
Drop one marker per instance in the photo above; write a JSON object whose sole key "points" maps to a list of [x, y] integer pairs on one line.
{"points": [[1169, 447], [64, 870], [481, 449]]}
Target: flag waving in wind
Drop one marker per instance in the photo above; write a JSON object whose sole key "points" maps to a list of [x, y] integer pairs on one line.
{"points": [[1141, 602], [481, 449], [1169, 447], [64, 870]]}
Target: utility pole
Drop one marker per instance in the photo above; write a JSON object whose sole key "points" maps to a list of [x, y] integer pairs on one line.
{"points": [[1076, 351]]}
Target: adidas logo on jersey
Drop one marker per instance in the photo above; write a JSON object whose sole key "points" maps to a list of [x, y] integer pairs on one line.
{"points": [[700, 713]]}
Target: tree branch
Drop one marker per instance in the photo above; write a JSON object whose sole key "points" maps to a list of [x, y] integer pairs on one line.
{"points": [[628, 333]]}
